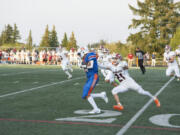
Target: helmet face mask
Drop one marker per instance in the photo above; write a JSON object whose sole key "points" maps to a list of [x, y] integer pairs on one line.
{"points": [[82, 52], [115, 61]]}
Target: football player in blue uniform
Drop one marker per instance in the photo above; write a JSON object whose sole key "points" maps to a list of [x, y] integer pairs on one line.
{"points": [[90, 66]]}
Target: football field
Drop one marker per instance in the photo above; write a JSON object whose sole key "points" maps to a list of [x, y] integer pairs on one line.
{"points": [[39, 100]]}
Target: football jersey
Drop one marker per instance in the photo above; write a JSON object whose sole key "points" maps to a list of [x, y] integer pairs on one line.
{"points": [[63, 56], [124, 64], [91, 57], [178, 52], [139, 54], [106, 59], [118, 72], [168, 56]]}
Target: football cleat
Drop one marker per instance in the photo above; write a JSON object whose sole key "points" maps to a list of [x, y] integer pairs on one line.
{"points": [[105, 97], [118, 107], [95, 111], [156, 101]]}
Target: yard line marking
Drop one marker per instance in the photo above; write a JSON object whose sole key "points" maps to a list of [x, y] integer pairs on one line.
{"points": [[24, 72], [39, 87], [16, 82], [134, 118], [17, 73]]}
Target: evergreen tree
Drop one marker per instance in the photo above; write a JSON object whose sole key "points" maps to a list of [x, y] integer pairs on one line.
{"points": [[157, 23], [7, 34], [175, 41], [30, 41], [53, 38], [15, 34], [1, 40], [72, 42], [45, 42], [64, 42]]}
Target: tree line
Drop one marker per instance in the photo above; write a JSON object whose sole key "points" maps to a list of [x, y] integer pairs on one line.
{"points": [[157, 23], [10, 37]]}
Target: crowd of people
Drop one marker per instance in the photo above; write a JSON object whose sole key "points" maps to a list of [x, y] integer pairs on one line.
{"points": [[43, 56]]}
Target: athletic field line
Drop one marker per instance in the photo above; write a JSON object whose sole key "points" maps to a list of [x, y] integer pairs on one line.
{"points": [[39, 87], [8, 74], [86, 124], [31, 71], [137, 115]]}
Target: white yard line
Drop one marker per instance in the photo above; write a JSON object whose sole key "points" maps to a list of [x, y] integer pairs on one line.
{"points": [[4, 74], [8, 74], [39, 87], [137, 115]]}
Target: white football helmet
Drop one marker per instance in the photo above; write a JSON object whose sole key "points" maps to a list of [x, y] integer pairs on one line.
{"points": [[167, 48], [82, 51]]}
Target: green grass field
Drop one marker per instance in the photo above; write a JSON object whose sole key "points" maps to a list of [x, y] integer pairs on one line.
{"points": [[32, 98]]}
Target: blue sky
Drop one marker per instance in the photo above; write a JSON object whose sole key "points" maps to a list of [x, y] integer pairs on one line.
{"points": [[90, 20]]}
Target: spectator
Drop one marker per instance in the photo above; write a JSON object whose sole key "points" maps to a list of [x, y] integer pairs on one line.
{"points": [[147, 59], [153, 64], [130, 59], [0, 56]]}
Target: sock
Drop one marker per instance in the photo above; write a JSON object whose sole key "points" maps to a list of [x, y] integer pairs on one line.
{"points": [[147, 93], [92, 102], [71, 69], [96, 95], [67, 73]]}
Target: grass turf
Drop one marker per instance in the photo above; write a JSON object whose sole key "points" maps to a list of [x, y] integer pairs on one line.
{"points": [[35, 112]]}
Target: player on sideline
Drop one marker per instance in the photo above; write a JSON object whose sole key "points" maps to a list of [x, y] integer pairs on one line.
{"points": [[170, 57], [125, 83], [65, 64], [90, 66], [178, 54]]}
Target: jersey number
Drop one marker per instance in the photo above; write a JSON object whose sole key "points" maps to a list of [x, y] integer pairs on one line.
{"points": [[120, 77]]}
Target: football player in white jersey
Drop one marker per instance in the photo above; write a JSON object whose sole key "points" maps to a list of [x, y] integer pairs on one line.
{"points": [[122, 63], [106, 60], [125, 83], [65, 64], [170, 57], [178, 54]]}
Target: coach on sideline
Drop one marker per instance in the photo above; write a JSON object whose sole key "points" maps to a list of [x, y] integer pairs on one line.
{"points": [[140, 55]]}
